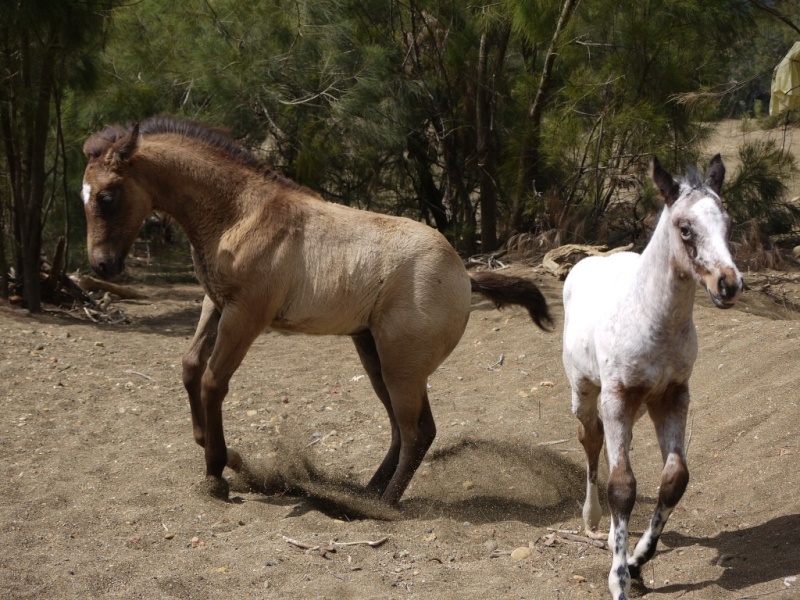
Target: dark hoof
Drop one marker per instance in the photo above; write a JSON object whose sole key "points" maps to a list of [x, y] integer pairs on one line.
{"points": [[635, 572], [216, 487]]}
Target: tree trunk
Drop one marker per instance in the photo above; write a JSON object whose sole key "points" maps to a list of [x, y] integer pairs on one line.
{"points": [[31, 241], [25, 119], [465, 231], [3, 259], [485, 109], [530, 157], [431, 198]]}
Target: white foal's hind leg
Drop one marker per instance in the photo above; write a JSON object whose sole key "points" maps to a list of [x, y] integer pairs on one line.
{"points": [[590, 435], [669, 418]]}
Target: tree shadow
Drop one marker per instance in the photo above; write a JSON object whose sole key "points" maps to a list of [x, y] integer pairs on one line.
{"points": [[176, 323], [758, 554]]}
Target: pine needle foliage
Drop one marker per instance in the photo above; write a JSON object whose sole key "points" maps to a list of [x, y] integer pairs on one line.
{"points": [[757, 190]]}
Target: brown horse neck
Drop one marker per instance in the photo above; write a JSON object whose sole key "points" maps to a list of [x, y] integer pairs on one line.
{"points": [[199, 187]]}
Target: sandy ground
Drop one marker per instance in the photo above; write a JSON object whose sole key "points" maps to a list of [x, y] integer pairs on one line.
{"points": [[101, 473]]}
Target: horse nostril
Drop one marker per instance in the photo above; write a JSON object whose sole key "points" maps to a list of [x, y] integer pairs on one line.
{"points": [[726, 291], [101, 269]]}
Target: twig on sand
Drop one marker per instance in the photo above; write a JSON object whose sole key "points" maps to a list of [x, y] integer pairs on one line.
{"points": [[761, 595], [139, 374], [309, 547], [331, 547], [494, 365], [370, 543], [579, 539]]}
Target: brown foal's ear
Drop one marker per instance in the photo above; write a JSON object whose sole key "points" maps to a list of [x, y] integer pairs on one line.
{"points": [[121, 152], [666, 184], [715, 174]]}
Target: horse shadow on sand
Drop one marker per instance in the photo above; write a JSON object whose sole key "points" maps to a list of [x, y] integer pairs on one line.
{"points": [[766, 552], [480, 481]]}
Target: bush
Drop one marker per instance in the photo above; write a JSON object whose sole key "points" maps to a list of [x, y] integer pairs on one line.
{"points": [[757, 189]]}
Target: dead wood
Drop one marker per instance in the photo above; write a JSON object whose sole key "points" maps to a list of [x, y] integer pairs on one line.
{"points": [[559, 261], [579, 539], [52, 280], [90, 284]]}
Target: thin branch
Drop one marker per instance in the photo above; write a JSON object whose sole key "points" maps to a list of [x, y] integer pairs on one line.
{"points": [[370, 543], [775, 13]]}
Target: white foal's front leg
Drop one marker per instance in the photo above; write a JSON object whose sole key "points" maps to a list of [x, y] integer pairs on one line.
{"points": [[592, 512], [669, 418], [618, 421], [590, 435]]}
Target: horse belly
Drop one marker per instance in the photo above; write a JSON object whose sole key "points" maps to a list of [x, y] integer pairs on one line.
{"points": [[339, 315]]}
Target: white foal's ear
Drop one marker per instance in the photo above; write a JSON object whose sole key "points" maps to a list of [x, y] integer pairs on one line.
{"points": [[666, 184], [715, 174]]}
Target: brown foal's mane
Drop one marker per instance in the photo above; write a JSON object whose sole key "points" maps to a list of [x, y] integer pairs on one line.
{"points": [[213, 137]]}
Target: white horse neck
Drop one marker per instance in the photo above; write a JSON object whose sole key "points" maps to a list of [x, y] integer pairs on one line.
{"points": [[665, 294]]}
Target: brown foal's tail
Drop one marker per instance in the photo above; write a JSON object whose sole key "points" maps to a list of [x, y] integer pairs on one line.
{"points": [[508, 289]]}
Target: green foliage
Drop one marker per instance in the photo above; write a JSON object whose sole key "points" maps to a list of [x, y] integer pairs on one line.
{"points": [[758, 191], [618, 104], [47, 47], [418, 108], [751, 60]]}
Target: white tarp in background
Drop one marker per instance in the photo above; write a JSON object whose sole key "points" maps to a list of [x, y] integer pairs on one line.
{"points": [[786, 82]]}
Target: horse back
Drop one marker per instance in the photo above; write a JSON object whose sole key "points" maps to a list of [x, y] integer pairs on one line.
{"points": [[593, 293], [597, 283], [337, 269]]}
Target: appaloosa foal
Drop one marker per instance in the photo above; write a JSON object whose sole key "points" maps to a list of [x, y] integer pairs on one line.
{"points": [[630, 341]]}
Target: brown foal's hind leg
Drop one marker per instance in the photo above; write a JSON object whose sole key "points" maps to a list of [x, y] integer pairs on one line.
{"points": [[669, 418], [235, 334], [368, 353]]}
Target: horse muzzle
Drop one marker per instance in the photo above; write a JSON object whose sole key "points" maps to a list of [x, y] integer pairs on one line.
{"points": [[106, 266], [728, 289]]}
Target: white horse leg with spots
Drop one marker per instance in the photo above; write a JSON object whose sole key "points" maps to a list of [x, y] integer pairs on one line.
{"points": [[621, 490], [590, 434], [670, 428], [591, 508]]}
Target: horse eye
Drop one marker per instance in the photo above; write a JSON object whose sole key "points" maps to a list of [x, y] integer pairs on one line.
{"points": [[106, 198], [686, 232]]}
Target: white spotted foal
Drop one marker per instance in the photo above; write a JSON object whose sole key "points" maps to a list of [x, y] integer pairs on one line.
{"points": [[629, 339]]}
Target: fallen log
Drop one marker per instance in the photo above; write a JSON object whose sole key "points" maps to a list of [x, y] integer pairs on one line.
{"points": [[559, 261], [90, 284]]}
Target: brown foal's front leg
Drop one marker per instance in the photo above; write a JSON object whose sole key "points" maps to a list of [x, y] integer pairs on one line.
{"points": [[194, 362], [235, 333]]}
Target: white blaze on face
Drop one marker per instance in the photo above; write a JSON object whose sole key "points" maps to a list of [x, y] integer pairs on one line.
{"points": [[716, 253], [86, 193]]}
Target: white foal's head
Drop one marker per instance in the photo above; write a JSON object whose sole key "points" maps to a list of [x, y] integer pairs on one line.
{"points": [[699, 230]]}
